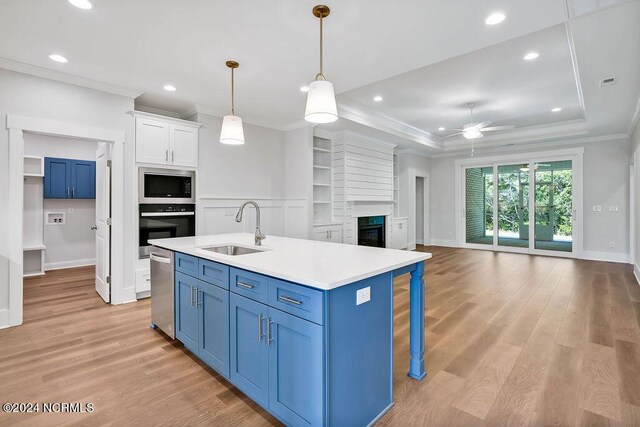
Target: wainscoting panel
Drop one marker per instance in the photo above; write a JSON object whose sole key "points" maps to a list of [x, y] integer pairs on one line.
{"points": [[278, 217]]}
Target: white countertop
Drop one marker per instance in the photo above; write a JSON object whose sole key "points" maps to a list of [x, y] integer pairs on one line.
{"points": [[321, 265]]}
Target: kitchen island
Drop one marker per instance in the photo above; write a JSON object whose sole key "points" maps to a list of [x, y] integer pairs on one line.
{"points": [[304, 328]]}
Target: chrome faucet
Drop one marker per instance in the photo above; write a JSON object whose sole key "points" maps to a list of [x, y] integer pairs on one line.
{"points": [[259, 236]]}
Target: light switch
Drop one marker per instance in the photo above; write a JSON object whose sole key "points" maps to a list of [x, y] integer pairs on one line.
{"points": [[613, 209], [363, 295]]}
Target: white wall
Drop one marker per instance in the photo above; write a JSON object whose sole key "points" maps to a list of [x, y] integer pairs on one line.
{"points": [[635, 155], [253, 170], [606, 183], [73, 243], [25, 95], [410, 166]]}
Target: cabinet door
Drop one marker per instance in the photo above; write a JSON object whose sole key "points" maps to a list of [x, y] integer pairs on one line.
{"points": [[57, 178], [152, 141], [83, 179], [296, 386], [213, 346], [249, 364], [186, 288], [335, 235], [183, 146]]}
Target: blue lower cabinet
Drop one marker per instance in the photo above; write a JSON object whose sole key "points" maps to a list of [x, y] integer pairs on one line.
{"points": [[213, 346], [296, 361], [186, 288], [249, 352]]}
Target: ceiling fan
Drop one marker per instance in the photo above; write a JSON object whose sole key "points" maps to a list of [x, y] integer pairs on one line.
{"points": [[476, 130]]}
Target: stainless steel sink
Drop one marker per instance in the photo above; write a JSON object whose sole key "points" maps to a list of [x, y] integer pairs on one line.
{"points": [[232, 249]]}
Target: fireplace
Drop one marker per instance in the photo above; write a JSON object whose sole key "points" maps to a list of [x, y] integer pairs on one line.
{"points": [[371, 231]]}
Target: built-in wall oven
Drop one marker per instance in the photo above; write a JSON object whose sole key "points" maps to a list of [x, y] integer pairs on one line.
{"points": [[163, 221], [166, 186]]}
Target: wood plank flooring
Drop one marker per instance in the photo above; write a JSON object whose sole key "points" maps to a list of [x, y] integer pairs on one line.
{"points": [[511, 340]]}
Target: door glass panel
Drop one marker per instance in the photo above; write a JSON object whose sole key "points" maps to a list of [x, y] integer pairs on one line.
{"points": [[479, 205], [554, 206], [513, 205]]}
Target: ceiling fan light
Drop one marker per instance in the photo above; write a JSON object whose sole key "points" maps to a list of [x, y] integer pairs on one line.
{"points": [[232, 132], [472, 133], [321, 103]]}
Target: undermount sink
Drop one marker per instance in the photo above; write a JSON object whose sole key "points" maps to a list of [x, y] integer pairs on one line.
{"points": [[232, 249]]}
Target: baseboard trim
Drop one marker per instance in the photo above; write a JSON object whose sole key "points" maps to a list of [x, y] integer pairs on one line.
{"points": [[636, 273], [605, 256], [4, 318], [445, 243], [69, 264], [381, 414]]}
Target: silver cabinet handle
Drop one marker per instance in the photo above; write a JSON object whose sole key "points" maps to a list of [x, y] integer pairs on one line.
{"points": [[68, 194], [269, 339], [192, 302], [73, 192], [290, 300], [94, 227], [245, 285], [198, 299], [172, 155], [166, 155], [260, 334]]}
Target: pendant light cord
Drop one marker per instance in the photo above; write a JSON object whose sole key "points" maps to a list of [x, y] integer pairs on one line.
{"points": [[320, 75], [233, 111]]}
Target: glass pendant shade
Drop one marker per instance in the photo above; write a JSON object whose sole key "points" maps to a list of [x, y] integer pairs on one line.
{"points": [[321, 103], [472, 133], [232, 132]]}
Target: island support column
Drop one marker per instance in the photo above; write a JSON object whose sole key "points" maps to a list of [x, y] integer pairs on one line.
{"points": [[416, 325]]}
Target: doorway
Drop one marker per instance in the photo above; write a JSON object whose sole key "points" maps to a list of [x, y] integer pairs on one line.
{"points": [[528, 206], [19, 165], [420, 211]]}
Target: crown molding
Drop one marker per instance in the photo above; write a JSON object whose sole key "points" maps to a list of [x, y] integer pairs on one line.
{"points": [[552, 143], [635, 118], [34, 70], [574, 63], [147, 114], [358, 113], [159, 112], [355, 136]]}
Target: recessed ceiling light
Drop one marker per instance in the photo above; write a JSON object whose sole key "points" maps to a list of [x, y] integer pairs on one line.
{"points": [[170, 88], [58, 58], [440, 128], [495, 18], [377, 98], [304, 89], [557, 109], [81, 4], [531, 56]]}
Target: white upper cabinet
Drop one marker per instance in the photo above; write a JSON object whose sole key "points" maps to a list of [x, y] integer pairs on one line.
{"points": [[162, 141], [183, 145]]}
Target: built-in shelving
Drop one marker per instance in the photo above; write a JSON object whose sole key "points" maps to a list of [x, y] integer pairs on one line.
{"points": [[322, 157], [33, 217]]}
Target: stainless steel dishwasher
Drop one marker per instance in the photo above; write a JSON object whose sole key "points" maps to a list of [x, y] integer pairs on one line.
{"points": [[162, 292]]}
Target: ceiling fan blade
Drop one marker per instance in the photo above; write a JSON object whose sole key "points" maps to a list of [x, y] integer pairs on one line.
{"points": [[482, 125], [494, 128], [453, 134]]}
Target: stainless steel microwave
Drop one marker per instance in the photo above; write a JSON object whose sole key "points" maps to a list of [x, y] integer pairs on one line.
{"points": [[166, 186]]}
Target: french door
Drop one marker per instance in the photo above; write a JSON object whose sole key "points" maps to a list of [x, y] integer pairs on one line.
{"points": [[524, 206]]}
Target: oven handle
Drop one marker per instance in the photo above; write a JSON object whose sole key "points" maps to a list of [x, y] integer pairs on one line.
{"points": [[167, 214]]}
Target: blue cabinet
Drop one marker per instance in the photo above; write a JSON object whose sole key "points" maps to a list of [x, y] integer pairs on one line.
{"points": [[186, 288], [296, 362], [249, 351], [213, 343], [69, 179]]}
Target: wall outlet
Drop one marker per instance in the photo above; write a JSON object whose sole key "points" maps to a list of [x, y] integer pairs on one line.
{"points": [[613, 209], [363, 295], [597, 208], [612, 244]]}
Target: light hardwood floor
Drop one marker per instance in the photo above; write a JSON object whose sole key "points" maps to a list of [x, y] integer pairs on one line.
{"points": [[511, 340]]}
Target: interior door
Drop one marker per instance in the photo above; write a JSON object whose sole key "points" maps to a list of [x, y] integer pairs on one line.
{"points": [[103, 215]]}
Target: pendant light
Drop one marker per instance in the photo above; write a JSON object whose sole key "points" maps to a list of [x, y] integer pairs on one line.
{"points": [[321, 99], [231, 132]]}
